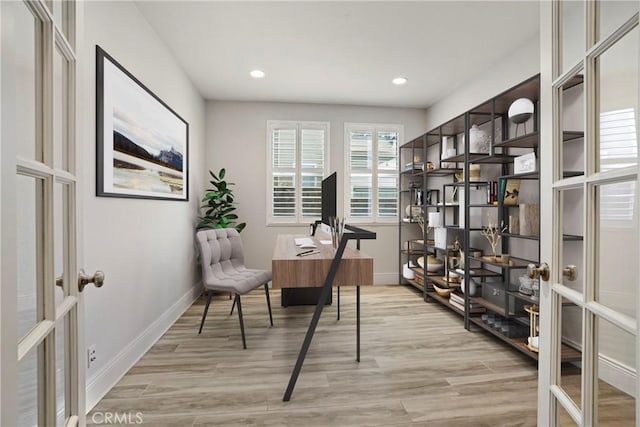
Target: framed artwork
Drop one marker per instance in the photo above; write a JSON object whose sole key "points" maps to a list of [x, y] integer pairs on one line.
{"points": [[141, 143]]}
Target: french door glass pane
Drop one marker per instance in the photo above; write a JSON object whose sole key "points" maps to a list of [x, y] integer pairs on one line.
{"points": [[312, 148], [29, 253], [360, 149], [616, 355], [564, 419], [60, 113], [573, 33], [61, 354], [618, 104], [19, 78], [361, 192], [614, 13], [28, 389], [387, 151], [617, 243], [572, 202], [570, 373], [283, 146], [572, 124]]}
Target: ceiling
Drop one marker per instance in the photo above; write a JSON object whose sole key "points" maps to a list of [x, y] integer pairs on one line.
{"points": [[339, 52]]}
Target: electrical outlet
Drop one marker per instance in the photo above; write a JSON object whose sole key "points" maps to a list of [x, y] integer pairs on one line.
{"points": [[91, 355]]}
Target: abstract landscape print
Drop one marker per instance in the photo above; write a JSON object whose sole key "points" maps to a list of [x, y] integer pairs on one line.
{"points": [[142, 142]]}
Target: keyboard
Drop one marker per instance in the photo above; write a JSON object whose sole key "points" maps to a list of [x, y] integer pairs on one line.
{"points": [[304, 242]]}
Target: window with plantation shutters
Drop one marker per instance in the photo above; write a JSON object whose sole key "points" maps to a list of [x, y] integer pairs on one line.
{"points": [[297, 165], [618, 149], [371, 177]]}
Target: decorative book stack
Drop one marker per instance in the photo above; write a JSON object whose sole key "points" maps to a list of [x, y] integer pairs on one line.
{"points": [[457, 301]]}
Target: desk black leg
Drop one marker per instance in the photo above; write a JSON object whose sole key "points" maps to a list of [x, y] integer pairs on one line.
{"points": [[338, 302], [307, 340], [358, 323]]}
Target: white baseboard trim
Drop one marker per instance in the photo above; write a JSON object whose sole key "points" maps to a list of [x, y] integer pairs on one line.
{"points": [[612, 372], [385, 278], [618, 375], [104, 380]]}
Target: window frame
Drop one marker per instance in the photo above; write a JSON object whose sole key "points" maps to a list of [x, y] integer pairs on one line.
{"points": [[374, 128], [298, 170]]}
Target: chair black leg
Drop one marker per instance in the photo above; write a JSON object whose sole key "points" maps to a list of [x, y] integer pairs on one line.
{"points": [[266, 291], [244, 342], [206, 308], [232, 307]]}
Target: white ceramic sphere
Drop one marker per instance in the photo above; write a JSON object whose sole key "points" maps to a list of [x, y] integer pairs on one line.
{"points": [[520, 110]]}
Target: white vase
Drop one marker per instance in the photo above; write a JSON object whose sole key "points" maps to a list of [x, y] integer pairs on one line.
{"points": [[473, 287], [478, 140]]}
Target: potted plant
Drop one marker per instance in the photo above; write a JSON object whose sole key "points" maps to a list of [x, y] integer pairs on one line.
{"points": [[218, 207]]}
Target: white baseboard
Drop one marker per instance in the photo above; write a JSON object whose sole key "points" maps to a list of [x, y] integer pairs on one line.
{"points": [[104, 380], [385, 278], [618, 375], [612, 372]]}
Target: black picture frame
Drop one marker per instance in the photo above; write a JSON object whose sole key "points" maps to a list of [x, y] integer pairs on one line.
{"points": [[142, 144]]}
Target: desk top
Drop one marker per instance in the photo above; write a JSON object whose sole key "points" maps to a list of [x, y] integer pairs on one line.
{"points": [[291, 271]]}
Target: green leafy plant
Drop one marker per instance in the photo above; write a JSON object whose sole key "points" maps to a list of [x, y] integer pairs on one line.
{"points": [[218, 207]]}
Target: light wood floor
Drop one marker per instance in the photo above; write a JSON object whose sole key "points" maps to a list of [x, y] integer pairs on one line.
{"points": [[419, 367]]}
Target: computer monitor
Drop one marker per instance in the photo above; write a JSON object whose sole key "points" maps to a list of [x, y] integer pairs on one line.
{"points": [[329, 191]]}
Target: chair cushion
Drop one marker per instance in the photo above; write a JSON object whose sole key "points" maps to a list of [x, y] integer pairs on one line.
{"points": [[223, 266]]}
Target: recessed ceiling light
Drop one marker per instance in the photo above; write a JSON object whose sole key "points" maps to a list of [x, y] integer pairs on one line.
{"points": [[399, 80], [257, 74]]}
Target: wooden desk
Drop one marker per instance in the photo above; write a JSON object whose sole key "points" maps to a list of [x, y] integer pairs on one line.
{"points": [[291, 271], [342, 267]]}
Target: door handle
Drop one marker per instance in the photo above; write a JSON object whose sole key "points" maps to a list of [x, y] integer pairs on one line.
{"points": [[570, 272], [83, 279], [533, 271]]}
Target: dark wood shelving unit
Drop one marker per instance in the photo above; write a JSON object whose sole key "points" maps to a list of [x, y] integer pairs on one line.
{"points": [[489, 274]]}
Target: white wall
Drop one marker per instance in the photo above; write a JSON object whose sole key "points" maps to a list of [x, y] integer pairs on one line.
{"points": [[236, 138], [522, 63], [145, 247]]}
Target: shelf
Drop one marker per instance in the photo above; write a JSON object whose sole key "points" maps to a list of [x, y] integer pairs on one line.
{"points": [[443, 172], [565, 237], [484, 205], [529, 140], [514, 262], [412, 251], [523, 297], [568, 354], [536, 175], [471, 184], [482, 158], [444, 301], [478, 272], [490, 306], [571, 135], [438, 280], [455, 227]]}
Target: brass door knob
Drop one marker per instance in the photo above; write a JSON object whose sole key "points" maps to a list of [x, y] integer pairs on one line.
{"points": [[570, 272], [533, 271], [83, 279]]}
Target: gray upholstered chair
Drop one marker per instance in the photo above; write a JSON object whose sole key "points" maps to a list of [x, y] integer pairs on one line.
{"points": [[223, 270]]}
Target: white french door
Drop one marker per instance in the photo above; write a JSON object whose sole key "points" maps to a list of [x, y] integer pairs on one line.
{"points": [[40, 363], [590, 52]]}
